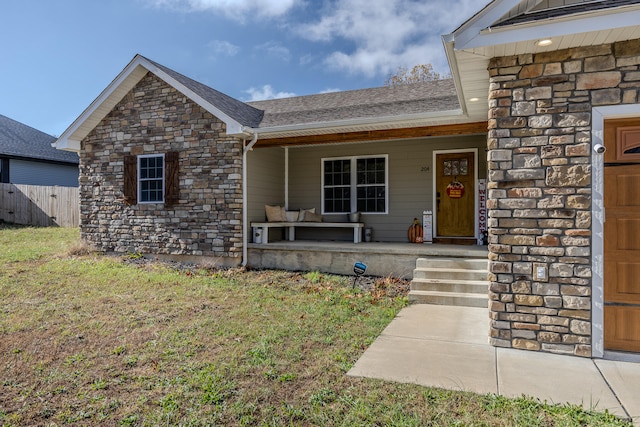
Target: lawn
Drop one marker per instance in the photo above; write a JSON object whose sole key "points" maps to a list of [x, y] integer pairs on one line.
{"points": [[87, 339]]}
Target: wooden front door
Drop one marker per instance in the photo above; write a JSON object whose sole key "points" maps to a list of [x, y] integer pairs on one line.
{"points": [[622, 235], [455, 195]]}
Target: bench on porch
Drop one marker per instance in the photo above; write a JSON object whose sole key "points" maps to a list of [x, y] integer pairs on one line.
{"points": [[291, 227]]}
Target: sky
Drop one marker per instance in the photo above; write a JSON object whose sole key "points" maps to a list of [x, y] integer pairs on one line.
{"points": [[58, 55]]}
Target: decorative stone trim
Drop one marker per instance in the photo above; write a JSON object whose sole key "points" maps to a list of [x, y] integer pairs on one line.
{"points": [[539, 190]]}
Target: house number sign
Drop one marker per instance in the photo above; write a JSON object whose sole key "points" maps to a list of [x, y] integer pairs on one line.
{"points": [[455, 190]]}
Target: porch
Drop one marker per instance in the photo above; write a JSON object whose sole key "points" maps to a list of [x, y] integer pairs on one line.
{"points": [[338, 257]]}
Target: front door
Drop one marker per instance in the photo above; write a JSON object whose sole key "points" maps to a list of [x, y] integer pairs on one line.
{"points": [[455, 195], [622, 235]]}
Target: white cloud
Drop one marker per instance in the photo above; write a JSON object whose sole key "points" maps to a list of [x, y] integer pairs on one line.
{"points": [[275, 50], [234, 9], [331, 90], [223, 47], [266, 92], [388, 33]]}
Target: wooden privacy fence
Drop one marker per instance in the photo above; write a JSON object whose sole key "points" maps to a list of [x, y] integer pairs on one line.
{"points": [[39, 205]]}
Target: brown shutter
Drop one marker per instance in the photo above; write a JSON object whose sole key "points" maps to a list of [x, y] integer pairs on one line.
{"points": [[171, 180], [130, 180]]}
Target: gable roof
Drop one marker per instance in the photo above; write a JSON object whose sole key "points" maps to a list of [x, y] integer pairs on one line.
{"points": [[235, 114], [411, 105], [512, 27], [237, 110], [18, 140]]}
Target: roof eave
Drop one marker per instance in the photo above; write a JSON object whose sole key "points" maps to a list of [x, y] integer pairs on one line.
{"points": [[586, 22], [370, 122]]}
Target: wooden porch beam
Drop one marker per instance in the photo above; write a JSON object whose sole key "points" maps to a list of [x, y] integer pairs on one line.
{"points": [[377, 135]]}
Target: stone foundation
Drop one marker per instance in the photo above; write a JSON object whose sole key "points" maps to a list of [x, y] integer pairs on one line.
{"points": [[539, 200]]}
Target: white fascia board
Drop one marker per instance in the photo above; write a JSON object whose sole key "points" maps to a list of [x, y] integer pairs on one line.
{"points": [[482, 20], [448, 43], [337, 124], [554, 27], [129, 77], [67, 145]]}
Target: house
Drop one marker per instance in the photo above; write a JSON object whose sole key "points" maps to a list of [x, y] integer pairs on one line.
{"points": [[543, 105], [28, 157]]}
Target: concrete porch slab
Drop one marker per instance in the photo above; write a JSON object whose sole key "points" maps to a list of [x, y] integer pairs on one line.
{"points": [[337, 257]]}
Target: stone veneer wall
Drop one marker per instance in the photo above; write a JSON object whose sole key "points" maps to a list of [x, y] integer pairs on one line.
{"points": [[540, 190], [154, 118]]}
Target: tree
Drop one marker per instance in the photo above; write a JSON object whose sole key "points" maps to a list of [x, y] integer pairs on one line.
{"points": [[419, 73]]}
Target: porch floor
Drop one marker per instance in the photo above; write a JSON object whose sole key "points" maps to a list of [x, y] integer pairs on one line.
{"points": [[447, 347], [338, 257]]}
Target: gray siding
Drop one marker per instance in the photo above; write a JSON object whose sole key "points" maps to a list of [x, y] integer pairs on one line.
{"points": [[410, 181], [39, 173], [265, 182]]}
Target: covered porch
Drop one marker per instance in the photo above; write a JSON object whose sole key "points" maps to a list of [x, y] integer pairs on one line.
{"points": [[338, 257]]}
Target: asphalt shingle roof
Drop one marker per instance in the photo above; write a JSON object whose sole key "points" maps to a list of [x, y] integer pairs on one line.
{"points": [[20, 140], [388, 101], [564, 11], [237, 110]]}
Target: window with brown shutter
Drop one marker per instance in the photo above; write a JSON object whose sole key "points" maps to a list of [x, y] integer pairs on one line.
{"points": [[152, 179], [130, 180], [172, 182]]}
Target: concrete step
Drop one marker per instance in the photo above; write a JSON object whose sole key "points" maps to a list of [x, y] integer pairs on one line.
{"points": [[450, 281], [458, 286], [455, 263], [449, 274], [449, 298]]}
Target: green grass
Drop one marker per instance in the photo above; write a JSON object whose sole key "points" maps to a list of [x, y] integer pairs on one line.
{"points": [[98, 340]]}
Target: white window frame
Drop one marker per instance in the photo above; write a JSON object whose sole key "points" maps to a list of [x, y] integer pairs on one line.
{"points": [[354, 182], [140, 179]]}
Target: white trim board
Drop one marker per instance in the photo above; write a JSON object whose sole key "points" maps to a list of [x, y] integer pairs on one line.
{"points": [[599, 115]]}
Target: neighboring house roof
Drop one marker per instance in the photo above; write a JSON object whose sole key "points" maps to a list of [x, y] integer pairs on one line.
{"points": [[18, 140]]}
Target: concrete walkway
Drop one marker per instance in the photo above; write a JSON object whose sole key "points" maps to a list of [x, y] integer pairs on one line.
{"points": [[446, 347]]}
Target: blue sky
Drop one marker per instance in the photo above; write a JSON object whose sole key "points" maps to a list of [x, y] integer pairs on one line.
{"points": [[58, 55]]}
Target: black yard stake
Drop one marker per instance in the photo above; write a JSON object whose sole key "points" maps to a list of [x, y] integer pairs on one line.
{"points": [[359, 269]]}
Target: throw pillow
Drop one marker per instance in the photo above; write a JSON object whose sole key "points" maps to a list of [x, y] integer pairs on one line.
{"points": [[312, 217], [303, 212], [274, 213]]}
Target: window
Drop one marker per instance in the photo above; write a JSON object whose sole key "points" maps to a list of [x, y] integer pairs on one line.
{"points": [[151, 179], [354, 184]]}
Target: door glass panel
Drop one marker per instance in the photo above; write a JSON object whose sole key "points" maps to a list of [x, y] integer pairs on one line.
{"points": [[455, 167], [447, 168], [464, 167]]}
